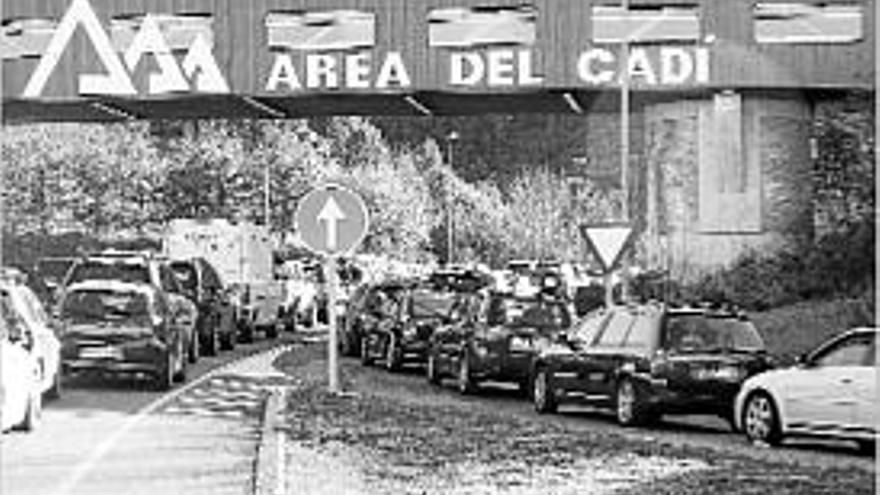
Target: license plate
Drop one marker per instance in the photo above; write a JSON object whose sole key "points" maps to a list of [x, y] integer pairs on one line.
{"points": [[520, 344], [100, 353]]}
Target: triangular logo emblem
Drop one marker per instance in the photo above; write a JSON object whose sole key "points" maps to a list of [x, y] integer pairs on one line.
{"points": [[608, 242], [115, 82]]}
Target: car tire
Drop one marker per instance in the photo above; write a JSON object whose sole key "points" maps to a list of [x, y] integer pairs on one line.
{"points": [[542, 392], [193, 349], [245, 332], [180, 375], [210, 344], [366, 359], [272, 330], [760, 419], [54, 391], [431, 371], [393, 355], [464, 379], [164, 378], [629, 409], [227, 340]]}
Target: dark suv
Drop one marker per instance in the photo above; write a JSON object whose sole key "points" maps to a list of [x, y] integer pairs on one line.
{"points": [[405, 317], [647, 360], [495, 338]]}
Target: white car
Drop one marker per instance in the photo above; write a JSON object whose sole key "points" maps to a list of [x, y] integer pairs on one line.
{"points": [[20, 393], [832, 392], [47, 347]]}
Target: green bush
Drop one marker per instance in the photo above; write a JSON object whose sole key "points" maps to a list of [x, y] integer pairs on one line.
{"points": [[839, 264]]}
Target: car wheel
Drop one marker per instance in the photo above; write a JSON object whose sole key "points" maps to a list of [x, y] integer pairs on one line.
{"points": [[628, 407], [164, 379], [542, 393], [465, 381], [272, 330], [193, 349], [761, 420], [366, 359], [227, 341], [432, 372], [245, 332], [393, 358], [54, 391], [180, 375]]}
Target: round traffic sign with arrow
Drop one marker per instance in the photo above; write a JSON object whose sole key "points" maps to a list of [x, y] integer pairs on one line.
{"points": [[332, 219]]}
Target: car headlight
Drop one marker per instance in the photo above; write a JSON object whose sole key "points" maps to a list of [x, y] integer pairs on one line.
{"points": [[409, 331]]}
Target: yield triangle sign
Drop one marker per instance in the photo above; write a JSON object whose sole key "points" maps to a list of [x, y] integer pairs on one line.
{"points": [[607, 242]]}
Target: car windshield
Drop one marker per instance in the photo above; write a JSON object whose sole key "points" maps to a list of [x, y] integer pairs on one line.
{"points": [[431, 304], [54, 269], [529, 313], [90, 306], [109, 270], [703, 333]]}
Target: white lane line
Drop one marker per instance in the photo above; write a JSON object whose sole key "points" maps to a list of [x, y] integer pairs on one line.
{"points": [[83, 468]]}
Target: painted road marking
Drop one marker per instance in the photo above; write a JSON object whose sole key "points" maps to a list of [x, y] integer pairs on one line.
{"points": [[79, 472]]}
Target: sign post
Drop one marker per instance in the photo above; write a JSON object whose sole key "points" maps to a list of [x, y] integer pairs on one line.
{"points": [[332, 221], [608, 242]]}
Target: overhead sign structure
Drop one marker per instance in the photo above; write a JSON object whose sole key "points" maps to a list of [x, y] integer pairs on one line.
{"points": [[332, 220], [608, 242]]}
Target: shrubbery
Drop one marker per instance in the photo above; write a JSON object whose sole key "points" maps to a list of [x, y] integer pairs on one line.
{"points": [[839, 264]]}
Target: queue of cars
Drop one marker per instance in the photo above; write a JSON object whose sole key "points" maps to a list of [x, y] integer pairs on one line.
{"points": [[637, 361], [111, 313]]}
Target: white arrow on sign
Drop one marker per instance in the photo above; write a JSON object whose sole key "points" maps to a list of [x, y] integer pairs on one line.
{"points": [[331, 214]]}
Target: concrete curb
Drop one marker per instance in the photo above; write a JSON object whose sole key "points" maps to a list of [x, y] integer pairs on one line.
{"points": [[269, 465]]}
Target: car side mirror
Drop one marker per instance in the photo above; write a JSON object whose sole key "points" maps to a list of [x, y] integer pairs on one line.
{"points": [[804, 361]]}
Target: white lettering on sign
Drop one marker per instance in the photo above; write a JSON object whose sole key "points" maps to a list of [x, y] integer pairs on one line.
{"points": [[585, 66], [498, 68], [321, 71], [330, 71], [466, 69], [199, 63], [672, 66], [676, 65]]}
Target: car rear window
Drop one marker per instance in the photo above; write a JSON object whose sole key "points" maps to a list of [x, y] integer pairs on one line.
{"points": [[54, 269], [109, 270], [89, 306], [529, 312], [704, 333], [431, 304]]}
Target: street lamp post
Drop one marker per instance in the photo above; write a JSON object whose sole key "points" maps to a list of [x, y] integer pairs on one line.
{"points": [[451, 138]]}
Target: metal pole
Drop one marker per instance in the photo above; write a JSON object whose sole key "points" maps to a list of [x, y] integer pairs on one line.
{"points": [[624, 113], [266, 192], [332, 346], [609, 290], [624, 135]]}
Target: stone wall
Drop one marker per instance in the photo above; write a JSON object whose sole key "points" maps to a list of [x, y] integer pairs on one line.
{"points": [[725, 175]]}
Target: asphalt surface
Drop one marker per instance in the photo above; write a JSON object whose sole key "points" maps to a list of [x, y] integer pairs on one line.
{"points": [[112, 436]]}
